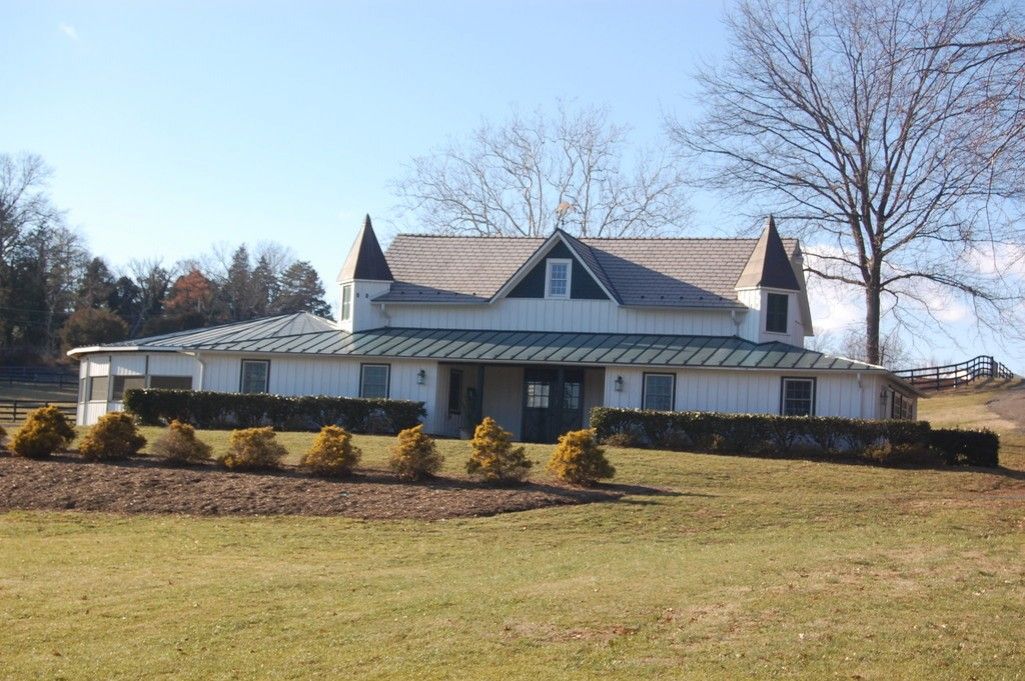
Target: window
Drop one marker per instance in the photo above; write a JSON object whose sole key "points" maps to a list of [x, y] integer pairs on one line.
{"points": [[557, 278], [776, 312], [255, 375], [798, 397], [455, 391], [538, 393], [373, 380], [125, 383], [900, 406], [98, 388], [659, 391], [346, 302], [571, 395], [171, 382]]}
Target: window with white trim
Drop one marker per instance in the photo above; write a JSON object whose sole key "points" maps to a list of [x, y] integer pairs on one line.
{"points": [[776, 312], [797, 397], [558, 275], [346, 311], [98, 386], [659, 391], [122, 384], [374, 380], [255, 376]]}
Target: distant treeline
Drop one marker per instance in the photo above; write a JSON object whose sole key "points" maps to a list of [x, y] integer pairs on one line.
{"points": [[55, 294]]}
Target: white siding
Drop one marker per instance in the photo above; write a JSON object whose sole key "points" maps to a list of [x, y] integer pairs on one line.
{"points": [[753, 325], [747, 392], [595, 316]]}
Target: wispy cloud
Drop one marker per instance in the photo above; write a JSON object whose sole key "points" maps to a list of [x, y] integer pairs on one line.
{"points": [[69, 31]]}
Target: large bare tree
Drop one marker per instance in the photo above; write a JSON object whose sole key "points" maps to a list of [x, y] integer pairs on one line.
{"points": [[891, 136], [529, 175]]}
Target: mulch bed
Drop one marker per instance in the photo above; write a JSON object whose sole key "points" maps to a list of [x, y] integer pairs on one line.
{"points": [[149, 486]]}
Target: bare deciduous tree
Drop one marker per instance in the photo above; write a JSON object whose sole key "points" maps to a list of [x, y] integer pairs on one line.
{"points": [[530, 175], [890, 134]]}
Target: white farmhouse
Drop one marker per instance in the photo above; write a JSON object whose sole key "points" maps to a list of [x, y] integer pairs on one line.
{"points": [[533, 332]]}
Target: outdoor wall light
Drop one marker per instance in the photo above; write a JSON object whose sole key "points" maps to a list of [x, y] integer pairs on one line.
{"points": [[619, 384], [421, 377]]}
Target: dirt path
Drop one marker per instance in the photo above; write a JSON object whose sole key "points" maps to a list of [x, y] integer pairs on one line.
{"points": [[1010, 405], [142, 486]]}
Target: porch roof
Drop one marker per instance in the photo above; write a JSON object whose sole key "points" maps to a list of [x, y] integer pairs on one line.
{"points": [[309, 335]]}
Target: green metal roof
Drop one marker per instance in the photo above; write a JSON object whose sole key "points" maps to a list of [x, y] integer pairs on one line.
{"points": [[307, 334]]}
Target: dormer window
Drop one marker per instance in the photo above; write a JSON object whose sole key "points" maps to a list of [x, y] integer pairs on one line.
{"points": [[557, 278], [776, 312], [346, 311]]}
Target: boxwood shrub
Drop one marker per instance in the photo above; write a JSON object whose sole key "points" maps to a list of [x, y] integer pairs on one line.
{"points": [[967, 447], [205, 409], [810, 437]]}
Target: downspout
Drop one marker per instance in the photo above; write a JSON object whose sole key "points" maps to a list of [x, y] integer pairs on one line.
{"points": [[202, 365], [384, 313]]}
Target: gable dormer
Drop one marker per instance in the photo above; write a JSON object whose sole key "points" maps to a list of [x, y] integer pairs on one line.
{"points": [[364, 276], [772, 286], [562, 268]]}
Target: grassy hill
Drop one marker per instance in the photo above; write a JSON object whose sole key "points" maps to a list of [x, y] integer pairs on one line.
{"points": [[748, 568]]}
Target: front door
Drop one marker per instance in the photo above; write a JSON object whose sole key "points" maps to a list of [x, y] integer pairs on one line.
{"points": [[553, 403]]}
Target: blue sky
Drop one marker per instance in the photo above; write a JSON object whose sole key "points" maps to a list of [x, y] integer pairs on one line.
{"points": [[173, 126]]}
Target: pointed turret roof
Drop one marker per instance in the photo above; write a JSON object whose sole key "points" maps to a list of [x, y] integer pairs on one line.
{"points": [[769, 265], [366, 259]]}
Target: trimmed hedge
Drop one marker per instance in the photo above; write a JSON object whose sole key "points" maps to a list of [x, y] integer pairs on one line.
{"points": [[967, 447], [213, 410], [803, 436]]}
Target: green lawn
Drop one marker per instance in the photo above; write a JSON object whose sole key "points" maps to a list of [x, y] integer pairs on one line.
{"points": [[751, 568]]}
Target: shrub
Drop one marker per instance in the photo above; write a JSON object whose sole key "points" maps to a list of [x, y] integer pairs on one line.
{"points": [[674, 439], [3, 440], [885, 452], [493, 457], [332, 453], [253, 449], [114, 436], [627, 434], [378, 422], [179, 444], [205, 409], [967, 447], [45, 431], [579, 460], [414, 456]]}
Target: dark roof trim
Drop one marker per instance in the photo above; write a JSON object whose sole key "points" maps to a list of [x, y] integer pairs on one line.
{"points": [[582, 253]]}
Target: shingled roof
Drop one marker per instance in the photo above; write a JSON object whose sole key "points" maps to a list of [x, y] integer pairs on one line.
{"points": [[652, 272]]}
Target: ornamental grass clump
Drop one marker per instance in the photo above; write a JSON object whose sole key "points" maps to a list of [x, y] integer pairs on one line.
{"points": [[45, 431], [493, 457], [332, 455], [579, 460], [179, 444], [251, 449], [114, 436], [414, 455]]}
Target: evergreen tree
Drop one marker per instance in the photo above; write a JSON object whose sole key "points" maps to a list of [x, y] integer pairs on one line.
{"points": [[96, 287], [301, 291]]}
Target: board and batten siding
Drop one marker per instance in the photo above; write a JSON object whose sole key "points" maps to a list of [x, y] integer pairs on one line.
{"points": [[749, 392], [581, 316]]}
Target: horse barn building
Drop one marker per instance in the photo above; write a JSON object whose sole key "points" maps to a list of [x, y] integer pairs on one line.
{"points": [[533, 332]]}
